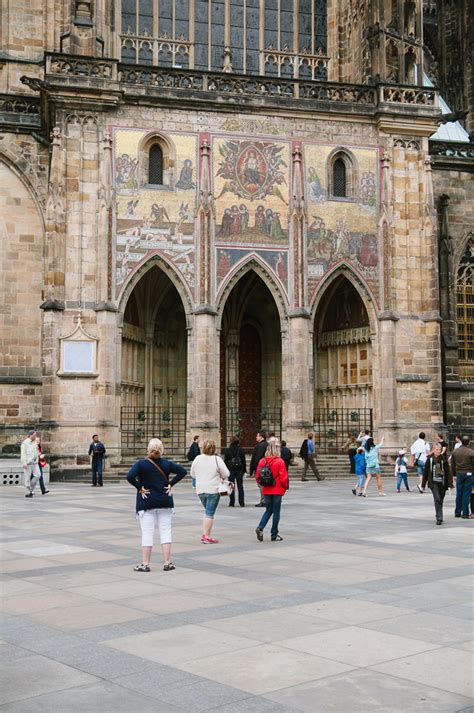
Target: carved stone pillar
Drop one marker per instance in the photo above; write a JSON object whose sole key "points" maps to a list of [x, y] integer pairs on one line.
{"points": [[203, 376], [205, 228], [104, 223], [55, 224], [297, 353], [298, 390], [298, 232]]}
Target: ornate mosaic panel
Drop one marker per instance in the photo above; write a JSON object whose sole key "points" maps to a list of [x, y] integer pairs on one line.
{"points": [[154, 219], [251, 187], [342, 230]]}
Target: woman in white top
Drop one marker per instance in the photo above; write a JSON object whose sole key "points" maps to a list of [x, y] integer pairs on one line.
{"points": [[210, 471]]}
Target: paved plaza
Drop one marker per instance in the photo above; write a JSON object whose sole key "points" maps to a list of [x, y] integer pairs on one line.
{"points": [[366, 605]]}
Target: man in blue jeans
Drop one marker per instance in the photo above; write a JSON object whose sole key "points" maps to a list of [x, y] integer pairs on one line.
{"points": [[462, 468], [96, 452]]}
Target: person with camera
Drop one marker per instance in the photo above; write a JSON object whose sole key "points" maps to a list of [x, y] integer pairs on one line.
{"points": [[272, 476]]}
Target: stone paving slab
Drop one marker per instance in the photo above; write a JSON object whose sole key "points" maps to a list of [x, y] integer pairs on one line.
{"points": [[366, 607]]}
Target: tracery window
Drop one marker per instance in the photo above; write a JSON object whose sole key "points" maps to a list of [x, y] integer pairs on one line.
{"points": [[341, 174], [339, 179], [274, 37], [155, 165], [465, 312]]}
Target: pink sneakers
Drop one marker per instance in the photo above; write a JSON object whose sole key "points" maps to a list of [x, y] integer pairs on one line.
{"points": [[208, 540]]}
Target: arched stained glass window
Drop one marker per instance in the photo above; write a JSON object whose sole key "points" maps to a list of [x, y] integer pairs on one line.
{"points": [[198, 33], [465, 312], [339, 189], [155, 165]]}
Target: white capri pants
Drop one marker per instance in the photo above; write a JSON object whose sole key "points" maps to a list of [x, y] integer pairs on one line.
{"points": [[150, 518]]}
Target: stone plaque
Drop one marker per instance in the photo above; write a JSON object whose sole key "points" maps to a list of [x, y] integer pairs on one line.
{"points": [[78, 357]]}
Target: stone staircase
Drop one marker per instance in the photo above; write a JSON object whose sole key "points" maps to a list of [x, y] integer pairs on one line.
{"points": [[331, 466]]}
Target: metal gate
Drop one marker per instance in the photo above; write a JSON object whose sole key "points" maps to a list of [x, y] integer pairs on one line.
{"points": [[245, 423], [331, 426], [138, 425]]}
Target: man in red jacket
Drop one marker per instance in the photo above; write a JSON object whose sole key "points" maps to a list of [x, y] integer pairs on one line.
{"points": [[272, 494]]}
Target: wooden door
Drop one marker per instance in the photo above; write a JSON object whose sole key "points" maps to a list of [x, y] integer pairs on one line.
{"points": [[250, 384]]}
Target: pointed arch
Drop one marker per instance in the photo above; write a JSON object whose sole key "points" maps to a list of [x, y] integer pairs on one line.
{"points": [[13, 159], [461, 250], [254, 263], [359, 285], [169, 270], [342, 164]]}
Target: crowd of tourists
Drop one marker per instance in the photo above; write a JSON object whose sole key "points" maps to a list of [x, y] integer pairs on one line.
{"points": [[435, 469], [213, 477]]}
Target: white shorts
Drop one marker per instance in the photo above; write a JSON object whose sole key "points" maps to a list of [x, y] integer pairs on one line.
{"points": [[150, 518]]}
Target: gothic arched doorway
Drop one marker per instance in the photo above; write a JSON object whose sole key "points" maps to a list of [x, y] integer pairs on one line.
{"points": [[343, 365], [250, 366], [154, 365]]}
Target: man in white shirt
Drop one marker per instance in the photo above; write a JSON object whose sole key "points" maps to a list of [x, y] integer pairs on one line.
{"points": [[419, 451], [29, 462]]}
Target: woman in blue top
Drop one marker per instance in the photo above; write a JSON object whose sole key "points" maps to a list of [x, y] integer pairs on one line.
{"points": [[150, 476], [373, 465]]}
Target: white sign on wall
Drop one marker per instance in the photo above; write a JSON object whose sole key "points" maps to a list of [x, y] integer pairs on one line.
{"points": [[78, 353]]}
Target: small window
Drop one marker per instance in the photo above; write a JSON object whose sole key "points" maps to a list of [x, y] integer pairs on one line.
{"points": [[339, 179], [155, 165]]}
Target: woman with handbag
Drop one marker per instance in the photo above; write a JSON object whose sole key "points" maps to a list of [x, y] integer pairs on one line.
{"points": [[234, 458], [272, 476], [212, 481], [437, 476], [154, 506]]}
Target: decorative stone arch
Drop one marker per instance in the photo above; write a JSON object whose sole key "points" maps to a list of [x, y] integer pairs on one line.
{"points": [[351, 173], [253, 262], [12, 157], [170, 271], [168, 149], [460, 251], [359, 285]]}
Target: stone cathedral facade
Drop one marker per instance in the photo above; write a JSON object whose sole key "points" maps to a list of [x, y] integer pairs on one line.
{"points": [[220, 215]]}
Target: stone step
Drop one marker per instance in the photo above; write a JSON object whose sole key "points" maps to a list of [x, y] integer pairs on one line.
{"points": [[331, 466]]}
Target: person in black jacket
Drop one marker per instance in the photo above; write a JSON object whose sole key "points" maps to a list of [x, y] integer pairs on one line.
{"points": [[154, 505], [96, 453], [286, 455], [257, 455], [437, 476], [193, 452], [234, 458]]}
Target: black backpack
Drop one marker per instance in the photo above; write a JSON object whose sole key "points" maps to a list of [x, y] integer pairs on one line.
{"points": [[235, 463], [265, 477]]}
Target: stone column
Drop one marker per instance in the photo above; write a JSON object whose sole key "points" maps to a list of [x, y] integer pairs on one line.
{"points": [[107, 385], [298, 386], [203, 377], [297, 346], [203, 351]]}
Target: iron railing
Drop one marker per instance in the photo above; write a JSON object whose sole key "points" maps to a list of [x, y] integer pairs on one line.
{"points": [[138, 425], [453, 430], [332, 425], [245, 423]]}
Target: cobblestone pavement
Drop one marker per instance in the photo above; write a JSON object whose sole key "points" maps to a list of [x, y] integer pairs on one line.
{"points": [[365, 606]]}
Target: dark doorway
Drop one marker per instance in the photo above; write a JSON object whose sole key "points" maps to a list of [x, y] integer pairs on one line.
{"points": [[250, 381], [250, 368]]}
